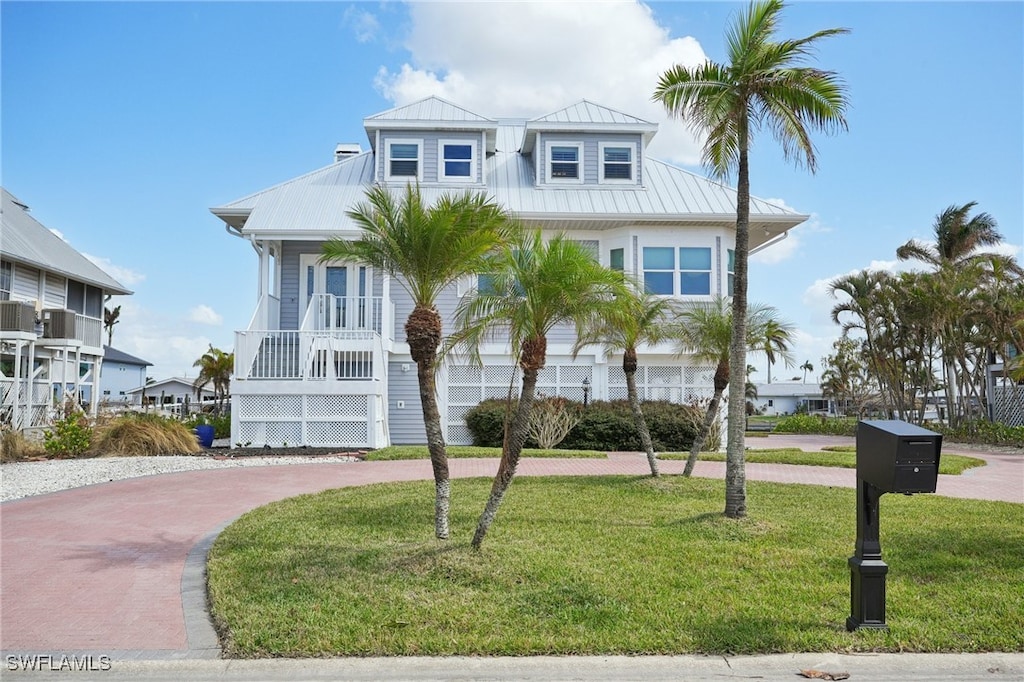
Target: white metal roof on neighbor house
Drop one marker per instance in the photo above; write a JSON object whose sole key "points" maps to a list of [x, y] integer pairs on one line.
{"points": [[24, 239], [314, 205]]}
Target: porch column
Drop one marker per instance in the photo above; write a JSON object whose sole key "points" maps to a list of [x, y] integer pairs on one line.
{"points": [[94, 394], [16, 419], [263, 286]]}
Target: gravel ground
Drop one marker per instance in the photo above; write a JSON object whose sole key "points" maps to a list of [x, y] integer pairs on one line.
{"points": [[22, 479]]}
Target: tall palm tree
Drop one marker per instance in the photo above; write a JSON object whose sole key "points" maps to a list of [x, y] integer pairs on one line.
{"points": [[110, 318], [770, 350], [958, 238], [536, 285], [638, 318], [704, 330], [807, 367], [426, 249], [215, 367], [762, 85]]}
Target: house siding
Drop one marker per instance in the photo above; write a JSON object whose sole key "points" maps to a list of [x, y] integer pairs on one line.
{"points": [[405, 423], [430, 172]]}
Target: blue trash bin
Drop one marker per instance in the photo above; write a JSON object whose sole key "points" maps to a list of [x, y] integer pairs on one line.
{"points": [[204, 432]]}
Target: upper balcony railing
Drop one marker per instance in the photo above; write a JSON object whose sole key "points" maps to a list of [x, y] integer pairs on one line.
{"points": [[327, 312]]}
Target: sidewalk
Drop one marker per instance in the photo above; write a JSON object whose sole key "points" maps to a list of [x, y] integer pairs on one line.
{"points": [[117, 569]]}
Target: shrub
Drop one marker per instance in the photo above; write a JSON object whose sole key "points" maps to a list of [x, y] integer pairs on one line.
{"points": [[145, 434], [810, 423], [551, 419], [221, 423], [15, 447], [68, 437], [604, 426], [982, 432]]}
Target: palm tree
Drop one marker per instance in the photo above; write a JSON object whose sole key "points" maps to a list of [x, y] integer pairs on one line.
{"points": [[958, 236], [638, 318], [426, 249], [110, 318], [807, 367], [215, 367], [770, 351], [535, 286], [704, 330], [762, 85]]}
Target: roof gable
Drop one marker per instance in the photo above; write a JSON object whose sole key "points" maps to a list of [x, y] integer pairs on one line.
{"points": [[28, 241], [431, 113], [586, 116]]}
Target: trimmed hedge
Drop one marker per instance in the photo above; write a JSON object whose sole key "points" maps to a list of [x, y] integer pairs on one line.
{"points": [[810, 423], [606, 426]]}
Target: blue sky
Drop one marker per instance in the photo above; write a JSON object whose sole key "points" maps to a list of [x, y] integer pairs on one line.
{"points": [[122, 123]]}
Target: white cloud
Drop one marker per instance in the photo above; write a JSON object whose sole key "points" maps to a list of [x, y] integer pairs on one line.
{"points": [[529, 59], [204, 314], [789, 247], [363, 24], [125, 276]]}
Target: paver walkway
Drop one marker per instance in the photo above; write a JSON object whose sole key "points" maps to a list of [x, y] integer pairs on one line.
{"points": [[103, 568]]}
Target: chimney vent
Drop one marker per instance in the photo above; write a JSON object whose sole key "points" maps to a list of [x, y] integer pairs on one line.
{"points": [[346, 150]]}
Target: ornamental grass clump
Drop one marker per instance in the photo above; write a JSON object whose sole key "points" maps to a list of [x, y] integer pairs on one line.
{"points": [[138, 434]]}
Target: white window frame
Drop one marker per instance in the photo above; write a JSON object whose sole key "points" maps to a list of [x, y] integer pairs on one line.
{"points": [[578, 180], [419, 160], [442, 175], [632, 163], [676, 270]]}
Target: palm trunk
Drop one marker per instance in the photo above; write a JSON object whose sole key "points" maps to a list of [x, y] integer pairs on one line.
{"points": [[515, 437], [735, 469], [629, 368], [702, 435], [423, 332]]}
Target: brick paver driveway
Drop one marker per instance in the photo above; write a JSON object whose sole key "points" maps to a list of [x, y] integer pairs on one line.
{"points": [[104, 568]]}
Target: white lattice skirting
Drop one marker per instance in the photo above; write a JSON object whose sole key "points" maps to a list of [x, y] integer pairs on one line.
{"points": [[313, 420]]}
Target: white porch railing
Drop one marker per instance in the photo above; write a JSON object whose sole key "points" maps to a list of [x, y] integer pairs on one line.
{"points": [[89, 330], [349, 313], [309, 355]]}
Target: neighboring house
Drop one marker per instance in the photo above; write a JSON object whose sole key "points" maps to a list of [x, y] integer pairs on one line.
{"points": [[789, 398], [51, 320], [1005, 396], [121, 373], [168, 393], [324, 360]]}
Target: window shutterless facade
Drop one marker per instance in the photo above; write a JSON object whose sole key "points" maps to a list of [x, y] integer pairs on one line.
{"points": [[685, 271], [565, 162], [404, 160], [618, 163], [457, 160]]}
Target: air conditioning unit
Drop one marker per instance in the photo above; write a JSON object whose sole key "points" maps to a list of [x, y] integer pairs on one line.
{"points": [[58, 324], [17, 316]]}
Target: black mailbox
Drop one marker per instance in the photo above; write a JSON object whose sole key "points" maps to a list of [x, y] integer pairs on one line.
{"points": [[897, 457]]}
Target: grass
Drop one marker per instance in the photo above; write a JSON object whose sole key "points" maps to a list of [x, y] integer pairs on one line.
{"points": [[610, 565], [462, 451], [832, 457]]}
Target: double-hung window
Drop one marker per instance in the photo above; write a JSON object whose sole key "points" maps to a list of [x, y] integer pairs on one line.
{"points": [[565, 162], [457, 160], [6, 279], [404, 159], [732, 270], [685, 271], [618, 163]]}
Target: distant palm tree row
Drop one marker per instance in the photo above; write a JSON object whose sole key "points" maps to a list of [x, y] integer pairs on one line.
{"points": [[932, 333]]}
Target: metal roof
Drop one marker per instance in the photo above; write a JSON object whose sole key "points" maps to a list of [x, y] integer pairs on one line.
{"points": [[114, 355], [25, 240], [314, 205], [432, 113], [585, 116]]}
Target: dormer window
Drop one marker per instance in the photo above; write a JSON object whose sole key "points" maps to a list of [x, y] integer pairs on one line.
{"points": [[564, 162], [457, 160], [618, 163], [403, 159]]}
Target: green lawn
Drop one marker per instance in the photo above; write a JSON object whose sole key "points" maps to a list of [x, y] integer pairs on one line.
{"points": [[948, 464], [610, 565]]}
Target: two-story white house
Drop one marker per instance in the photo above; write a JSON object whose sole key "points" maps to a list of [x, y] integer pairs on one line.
{"points": [[51, 320], [324, 359]]}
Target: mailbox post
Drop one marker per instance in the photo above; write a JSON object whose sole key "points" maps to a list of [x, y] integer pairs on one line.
{"points": [[892, 457]]}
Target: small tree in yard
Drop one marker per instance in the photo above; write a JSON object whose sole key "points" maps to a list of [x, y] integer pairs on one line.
{"points": [[536, 286], [551, 420]]}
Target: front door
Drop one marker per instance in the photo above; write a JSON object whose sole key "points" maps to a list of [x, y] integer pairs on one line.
{"points": [[346, 283]]}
